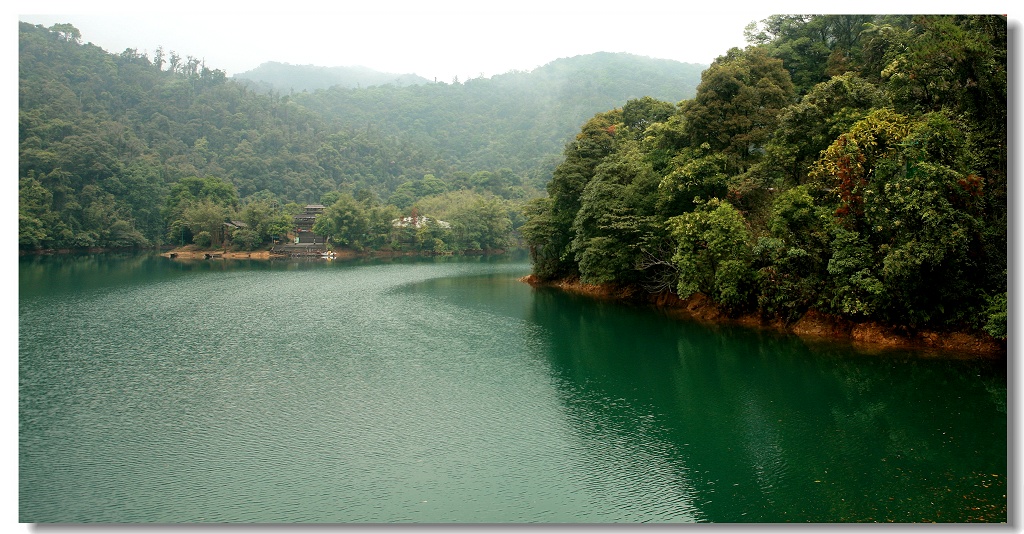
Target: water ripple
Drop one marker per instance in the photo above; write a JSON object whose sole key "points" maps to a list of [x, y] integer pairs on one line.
{"points": [[423, 392]]}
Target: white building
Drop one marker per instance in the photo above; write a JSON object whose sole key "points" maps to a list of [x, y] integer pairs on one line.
{"points": [[417, 222]]}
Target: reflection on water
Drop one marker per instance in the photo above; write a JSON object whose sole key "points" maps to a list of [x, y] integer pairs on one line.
{"points": [[769, 429], [444, 390]]}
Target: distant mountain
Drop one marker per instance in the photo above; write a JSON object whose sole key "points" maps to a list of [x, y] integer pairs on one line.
{"points": [[664, 79], [620, 76], [287, 78], [105, 139], [519, 120]]}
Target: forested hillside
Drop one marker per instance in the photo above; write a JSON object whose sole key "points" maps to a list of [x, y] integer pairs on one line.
{"points": [[854, 165], [518, 120], [129, 149], [851, 164]]}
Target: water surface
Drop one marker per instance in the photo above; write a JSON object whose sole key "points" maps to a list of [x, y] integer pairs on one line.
{"points": [[444, 390]]}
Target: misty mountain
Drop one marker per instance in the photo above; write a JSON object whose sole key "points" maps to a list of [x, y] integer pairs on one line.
{"points": [[106, 138], [519, 120], [619, 76], [288, 78]]}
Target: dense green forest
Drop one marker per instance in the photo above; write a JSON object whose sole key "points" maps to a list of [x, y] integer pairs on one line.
{"points": [[851, 164], [518, 120], [855, 165], [132, 149]]}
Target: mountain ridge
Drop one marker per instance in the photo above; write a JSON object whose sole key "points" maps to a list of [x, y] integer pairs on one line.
{"points": [[286, 77], [105, 138], [278, 76]]}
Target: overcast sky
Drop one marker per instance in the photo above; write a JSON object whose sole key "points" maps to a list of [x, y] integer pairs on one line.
{"points": [[434, 39], [431, 39]]}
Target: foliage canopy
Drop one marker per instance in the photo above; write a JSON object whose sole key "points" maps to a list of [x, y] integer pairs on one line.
{"points": [[849, 163]]}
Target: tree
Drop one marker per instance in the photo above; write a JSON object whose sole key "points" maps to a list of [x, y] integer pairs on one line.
{"points": [[478, 221], [640, 113], [695, 176], [35, 218], [911, 213], [412, 190], [174, 61], [380, 230], [432, 236], [958, 64], [856, 290], [950, 62], [596, 140], [203, 239], [158, 58], [345, 222], [602, 241], [994, 321], [738, 102], [246, 239], [265, 219], [926, 210], [790, 261], [536, 231], [713, 255], [205, 216], [193, 191], [67, 33], [813, 48], [212, 188], [615, 220], [847, 164], [806, 128]]}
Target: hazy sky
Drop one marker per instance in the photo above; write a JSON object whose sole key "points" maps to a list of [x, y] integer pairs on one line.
{"points": [[432, 39], [435, 39]]}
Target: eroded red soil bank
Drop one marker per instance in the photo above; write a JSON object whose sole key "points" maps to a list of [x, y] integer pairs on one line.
{"points": [[813, 325]]}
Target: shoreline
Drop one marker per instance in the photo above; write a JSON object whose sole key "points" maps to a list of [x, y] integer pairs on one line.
{"points": [[220, 255], [813, 325], [187, 253]]}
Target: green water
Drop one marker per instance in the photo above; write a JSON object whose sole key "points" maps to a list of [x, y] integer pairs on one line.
{"points": [[444, 390]]}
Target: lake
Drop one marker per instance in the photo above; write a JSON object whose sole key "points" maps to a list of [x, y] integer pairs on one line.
{"points": [[437, 390]]}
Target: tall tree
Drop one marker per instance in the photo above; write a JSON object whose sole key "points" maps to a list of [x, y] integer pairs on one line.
{"points": [[737, 105], [551, 246], [345, 222], [66, 32]]}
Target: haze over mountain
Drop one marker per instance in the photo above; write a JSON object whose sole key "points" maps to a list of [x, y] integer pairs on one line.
{"points": [[438, 40], [107, 140], [676, 79], [832, 173], [518, 120], [285, 77]]}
